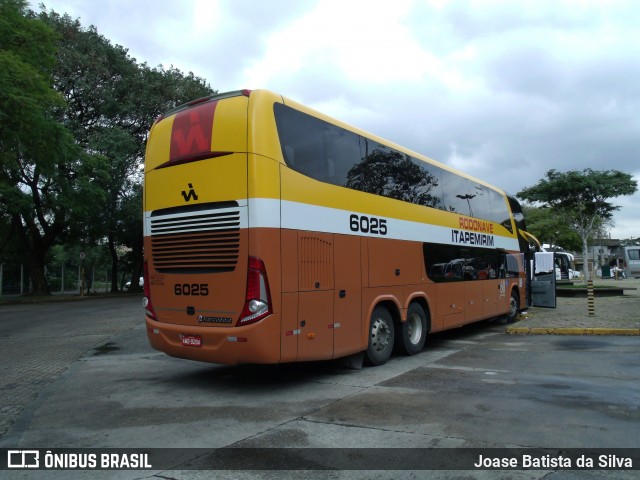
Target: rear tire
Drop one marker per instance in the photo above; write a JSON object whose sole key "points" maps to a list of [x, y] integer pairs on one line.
{"points": [[411, 335], [381, 337], [514, 307]]}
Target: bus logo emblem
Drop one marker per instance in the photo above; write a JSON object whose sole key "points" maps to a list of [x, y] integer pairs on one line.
{"points": [[191, 195]]}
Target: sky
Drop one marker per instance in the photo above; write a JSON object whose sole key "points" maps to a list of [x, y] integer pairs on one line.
{"points": [[502, 90]]}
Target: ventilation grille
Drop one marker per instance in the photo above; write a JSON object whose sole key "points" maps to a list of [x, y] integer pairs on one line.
{"points": [[316, 262], [196, 240]]}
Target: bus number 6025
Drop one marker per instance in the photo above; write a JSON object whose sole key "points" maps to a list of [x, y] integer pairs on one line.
{"points": [[193, 289], [364, 224]]}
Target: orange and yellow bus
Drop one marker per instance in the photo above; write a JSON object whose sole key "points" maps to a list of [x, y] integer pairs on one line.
{"points": [[274, 233]]}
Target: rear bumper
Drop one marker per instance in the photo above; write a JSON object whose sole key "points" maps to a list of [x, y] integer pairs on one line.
{"points": [[257, 343]]}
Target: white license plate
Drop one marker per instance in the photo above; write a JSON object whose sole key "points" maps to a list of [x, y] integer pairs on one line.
{"points": [[192, 340]]}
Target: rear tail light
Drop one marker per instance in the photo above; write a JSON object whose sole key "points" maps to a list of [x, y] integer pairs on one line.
{"points": [[257, 303], [146, 301]]}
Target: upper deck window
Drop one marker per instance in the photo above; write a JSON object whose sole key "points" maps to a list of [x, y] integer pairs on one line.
{"points": [[332, 154]]}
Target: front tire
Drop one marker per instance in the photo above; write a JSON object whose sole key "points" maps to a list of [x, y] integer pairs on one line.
{"points": [[381, 337], [412, 334]]}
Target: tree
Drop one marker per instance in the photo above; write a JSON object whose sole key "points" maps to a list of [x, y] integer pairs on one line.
{"points": [[112, 103], [549, 226], [581, 198], [46, 182]]}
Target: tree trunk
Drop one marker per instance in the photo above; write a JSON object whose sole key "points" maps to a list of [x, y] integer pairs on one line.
{"points": [[36, 263], [585, 253], [114, 264], [35, 250]]}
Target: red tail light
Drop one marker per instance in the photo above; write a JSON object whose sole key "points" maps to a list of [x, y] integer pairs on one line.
{"points": [[146, 301], [257, 303]]}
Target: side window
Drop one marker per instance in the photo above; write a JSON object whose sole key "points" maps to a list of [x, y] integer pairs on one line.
{"points": [[390, 173], [443, 262], [342, 152], [518, 216], [428, 191], [331, 154], [514, 263], [480, 201], [314, 147], [500, 210], [451, 263], [456, 194]]}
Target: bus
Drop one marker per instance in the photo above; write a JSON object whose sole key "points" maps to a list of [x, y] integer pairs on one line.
{"points": [[274, 233]]}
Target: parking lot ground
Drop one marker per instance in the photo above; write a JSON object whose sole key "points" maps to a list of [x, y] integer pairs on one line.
{"points": [[617, 315], [471, 387]]}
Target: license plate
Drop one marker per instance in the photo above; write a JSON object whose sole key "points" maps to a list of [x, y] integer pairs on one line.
{"points": [[192, 340]]}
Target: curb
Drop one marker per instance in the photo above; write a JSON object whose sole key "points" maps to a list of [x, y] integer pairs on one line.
{"points": [[571, 331]]}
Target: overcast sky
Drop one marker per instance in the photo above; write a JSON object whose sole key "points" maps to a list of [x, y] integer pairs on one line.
{"points": [[503, 90]]}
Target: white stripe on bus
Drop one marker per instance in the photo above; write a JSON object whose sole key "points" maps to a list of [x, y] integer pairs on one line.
{"points": [[273, 213]]}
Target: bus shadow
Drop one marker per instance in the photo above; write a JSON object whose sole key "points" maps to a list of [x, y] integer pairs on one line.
{"points": [[259, 377], [256, 377]]}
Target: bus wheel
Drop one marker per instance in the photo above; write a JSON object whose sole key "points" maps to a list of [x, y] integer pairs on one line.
{"points": [[514, 307], [381, 336], [412, 333]]}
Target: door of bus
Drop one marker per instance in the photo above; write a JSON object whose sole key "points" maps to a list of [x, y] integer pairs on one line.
{"points": [[542, 279]]}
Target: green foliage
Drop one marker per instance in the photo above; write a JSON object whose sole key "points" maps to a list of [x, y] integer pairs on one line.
{"points": [[581, 199], [74, 114], [44, 177], [112, 102], [585, 192], [549, 226]]}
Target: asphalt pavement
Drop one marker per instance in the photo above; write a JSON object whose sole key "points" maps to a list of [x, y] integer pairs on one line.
{"points": [[82, 375], [39, 355], [39, 341]]}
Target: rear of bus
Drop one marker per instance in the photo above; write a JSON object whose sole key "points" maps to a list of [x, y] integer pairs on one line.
{"points": [[207, 292]]}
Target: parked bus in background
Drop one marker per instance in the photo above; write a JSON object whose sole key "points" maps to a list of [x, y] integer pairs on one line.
{"points": [[274, 233], [632, 261]]}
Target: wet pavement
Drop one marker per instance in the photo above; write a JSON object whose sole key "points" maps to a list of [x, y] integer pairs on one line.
{"points": [[82, 375]]}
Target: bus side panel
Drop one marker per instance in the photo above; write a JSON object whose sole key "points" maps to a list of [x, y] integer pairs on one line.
{"points": [[450, 304], [490, 292], [474, 301], [347, 298], [315, 297], [399, 268], [315, 315], [289, 330]]}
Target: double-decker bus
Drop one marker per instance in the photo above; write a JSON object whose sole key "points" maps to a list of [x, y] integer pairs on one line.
{"points": [[274, 233]]}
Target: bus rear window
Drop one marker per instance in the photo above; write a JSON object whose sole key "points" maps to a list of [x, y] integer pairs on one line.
{"points": [[191, 133]]}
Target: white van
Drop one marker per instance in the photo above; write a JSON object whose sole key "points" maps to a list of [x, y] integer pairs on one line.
{"points": [[632, 261]]}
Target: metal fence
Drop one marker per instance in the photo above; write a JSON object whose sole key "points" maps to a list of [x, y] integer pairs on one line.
{"points": [[65, 279]]}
